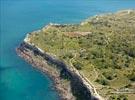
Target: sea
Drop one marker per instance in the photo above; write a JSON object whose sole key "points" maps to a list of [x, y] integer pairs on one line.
{"points": [[18, 79]]}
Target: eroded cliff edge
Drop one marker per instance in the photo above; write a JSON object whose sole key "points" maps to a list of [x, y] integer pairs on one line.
{"points": [[75, 87]]}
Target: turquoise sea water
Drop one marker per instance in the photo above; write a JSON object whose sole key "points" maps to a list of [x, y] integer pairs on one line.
{"points": [[18, 80]]}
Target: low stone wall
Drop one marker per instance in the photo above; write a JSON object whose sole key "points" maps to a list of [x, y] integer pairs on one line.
{"points": [[79, 87]]}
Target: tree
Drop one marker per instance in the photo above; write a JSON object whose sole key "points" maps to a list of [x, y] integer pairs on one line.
{"points": [[102, 81], [78, 65], [132, 76]]}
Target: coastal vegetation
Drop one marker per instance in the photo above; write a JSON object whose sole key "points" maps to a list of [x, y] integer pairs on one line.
{"points": [[101, 48]]}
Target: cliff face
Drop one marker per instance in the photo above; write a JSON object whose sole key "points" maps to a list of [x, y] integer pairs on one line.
{"points": [[78, 89]]}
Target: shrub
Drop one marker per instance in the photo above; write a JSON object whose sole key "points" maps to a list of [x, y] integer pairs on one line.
{"points": [[118, 97], [109, 75], [130, 52], [131, 76], [97, 53], [68, 55], [78, 65], [102, 81]]}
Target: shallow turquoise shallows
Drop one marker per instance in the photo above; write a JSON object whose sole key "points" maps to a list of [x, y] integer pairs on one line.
{"points": [[18, 80]]}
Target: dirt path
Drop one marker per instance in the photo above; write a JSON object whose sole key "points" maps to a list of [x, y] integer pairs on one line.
{"points": [[89, 84]]}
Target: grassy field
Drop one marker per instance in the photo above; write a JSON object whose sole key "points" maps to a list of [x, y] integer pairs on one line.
{"points": [[102, 48]]}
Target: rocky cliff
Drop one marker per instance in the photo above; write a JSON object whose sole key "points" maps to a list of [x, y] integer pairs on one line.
{"points": [[77, 88]]}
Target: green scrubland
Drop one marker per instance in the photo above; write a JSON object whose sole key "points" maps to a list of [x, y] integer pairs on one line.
{"points": [[102, 48]]}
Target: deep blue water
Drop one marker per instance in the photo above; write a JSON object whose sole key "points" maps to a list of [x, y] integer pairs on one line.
{"points": [[18, 80]]}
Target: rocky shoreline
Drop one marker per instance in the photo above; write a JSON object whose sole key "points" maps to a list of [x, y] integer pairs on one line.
{"points": [[75, 87], [28, 56]]}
